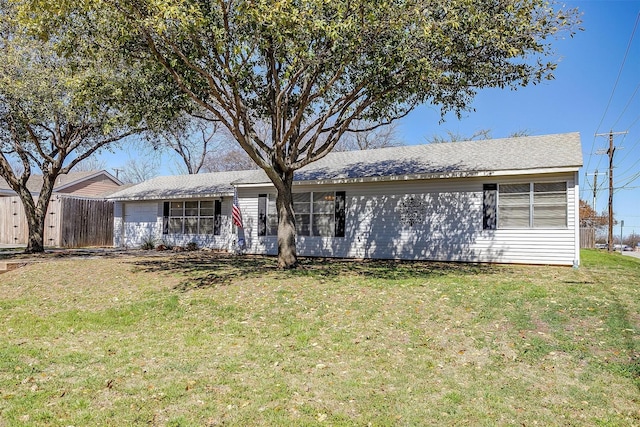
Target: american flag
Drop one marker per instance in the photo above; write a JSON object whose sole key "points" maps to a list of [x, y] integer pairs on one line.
{"points": [[235, 210]]}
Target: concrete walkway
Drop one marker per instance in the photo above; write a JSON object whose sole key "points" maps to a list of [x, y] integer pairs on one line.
{"points": [[17, 247]]}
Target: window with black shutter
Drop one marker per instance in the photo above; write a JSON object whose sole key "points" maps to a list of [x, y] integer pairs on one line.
{"points": [[262, 214], [318, 213], [340, 213], [489, 206], [165, 218], [217, 217]]}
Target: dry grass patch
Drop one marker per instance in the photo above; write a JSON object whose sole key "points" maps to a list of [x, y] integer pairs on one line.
{"points": [[203, 339]]}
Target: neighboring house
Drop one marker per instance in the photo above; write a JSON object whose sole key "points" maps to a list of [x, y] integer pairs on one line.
{"points": [[78, 214], [94, 184], [509, 200]]}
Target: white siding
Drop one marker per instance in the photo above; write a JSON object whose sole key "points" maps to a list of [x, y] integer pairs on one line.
{"points": [[136, 222], [118, 225], [220, 242], [140, 222], [449, 226]]}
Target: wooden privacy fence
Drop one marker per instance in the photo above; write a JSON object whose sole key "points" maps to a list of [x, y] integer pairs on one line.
{"points": [[587, 237], [13, 223], [71, 222], [86, 222]]}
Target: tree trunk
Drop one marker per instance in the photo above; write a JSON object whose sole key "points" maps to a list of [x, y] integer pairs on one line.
{"points": [[35, 243], [35, 222], [36, 214], [287, 257]]}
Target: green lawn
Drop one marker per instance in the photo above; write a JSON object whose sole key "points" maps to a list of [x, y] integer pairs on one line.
{"points": [[203, 340]]}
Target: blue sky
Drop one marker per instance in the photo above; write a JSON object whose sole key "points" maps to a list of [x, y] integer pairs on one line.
{"points": [[580, 99]]}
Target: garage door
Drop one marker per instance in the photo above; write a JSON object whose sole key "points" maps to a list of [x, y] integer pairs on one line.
{"points": [[140, 222]]}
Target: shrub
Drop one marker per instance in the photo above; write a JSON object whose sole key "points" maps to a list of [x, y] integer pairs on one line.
{"points": [[148, 243]]}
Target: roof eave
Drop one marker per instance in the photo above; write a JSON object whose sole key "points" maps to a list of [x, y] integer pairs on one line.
{"points": [[423, 176], [171, 197], [85, 178]]}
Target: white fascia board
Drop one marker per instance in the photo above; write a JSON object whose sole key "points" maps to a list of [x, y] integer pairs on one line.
{"points": [[255, 185], [171, 197], [414, 177]]}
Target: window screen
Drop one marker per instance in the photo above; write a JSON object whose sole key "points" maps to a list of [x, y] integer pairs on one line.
{"points": [[317, 214], [532, 205]]}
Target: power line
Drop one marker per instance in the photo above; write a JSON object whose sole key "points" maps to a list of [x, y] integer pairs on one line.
{"points": [[624, 59], [615, 85], [633, 165], [624, 110], [629, 180], [630, 151]]}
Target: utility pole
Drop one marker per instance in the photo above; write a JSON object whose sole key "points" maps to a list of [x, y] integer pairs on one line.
{"points": [[593, 223], [610, 152], [117, 171], [595, 187]]}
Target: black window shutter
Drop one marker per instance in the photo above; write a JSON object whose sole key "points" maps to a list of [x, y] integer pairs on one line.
{"points": [[340, 213], [217, 217], [262, 214], [165, 218], [489, 206]]}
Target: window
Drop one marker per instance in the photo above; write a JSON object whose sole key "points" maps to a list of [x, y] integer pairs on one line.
{"points": [[525, 205], [192, 217], [550, 205], [317, 214], [514, 206], [324, 214], [302, 209]]}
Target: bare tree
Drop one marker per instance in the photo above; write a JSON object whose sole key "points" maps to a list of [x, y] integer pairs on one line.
{"points": [[479, 135], [632, 239], [367, 136], [520, 133], [194, 139], [452, 136], [139, 169], [91, 163], [231, 158]]}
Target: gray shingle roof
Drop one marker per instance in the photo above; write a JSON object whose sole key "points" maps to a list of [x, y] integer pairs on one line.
{"points": [[181, 186], [463, 158], [468, 157]]}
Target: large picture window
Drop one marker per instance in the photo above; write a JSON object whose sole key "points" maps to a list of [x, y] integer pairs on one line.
{"points": [[317, 214], [526, 205], [192, 217]]}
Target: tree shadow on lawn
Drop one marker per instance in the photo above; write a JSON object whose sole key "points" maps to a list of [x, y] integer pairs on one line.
{"points": [[628, 364], [203, 270]]}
